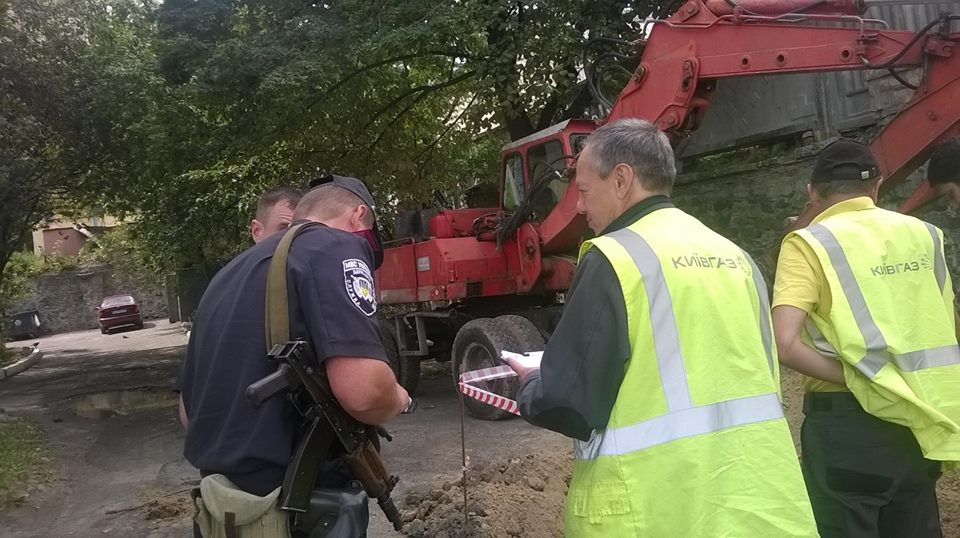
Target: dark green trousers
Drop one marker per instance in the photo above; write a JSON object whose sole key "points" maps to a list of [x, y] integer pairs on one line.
{"points": [[866, 477]]}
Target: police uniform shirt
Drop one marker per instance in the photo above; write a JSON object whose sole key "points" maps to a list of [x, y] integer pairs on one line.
{"points": [[332, 305], [583, 365]]}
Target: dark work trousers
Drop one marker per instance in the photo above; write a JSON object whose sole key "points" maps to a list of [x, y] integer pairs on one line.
{"points": [[866, 477]]}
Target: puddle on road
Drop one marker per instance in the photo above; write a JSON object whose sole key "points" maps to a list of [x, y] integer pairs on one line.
{"points": [[122, 402]]}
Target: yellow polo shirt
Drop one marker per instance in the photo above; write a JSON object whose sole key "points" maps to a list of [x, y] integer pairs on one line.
{"points": [[800, 281]]}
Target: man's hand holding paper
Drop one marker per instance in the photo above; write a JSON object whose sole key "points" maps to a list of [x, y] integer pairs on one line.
{"points": [[522, 363]]}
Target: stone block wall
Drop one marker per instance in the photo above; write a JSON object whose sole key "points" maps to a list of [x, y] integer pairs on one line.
{"points": [[67, 300], [749, 203]]}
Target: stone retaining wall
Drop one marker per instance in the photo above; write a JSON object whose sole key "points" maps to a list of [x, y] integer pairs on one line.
{"points": [[67, 301], [750, 201]]}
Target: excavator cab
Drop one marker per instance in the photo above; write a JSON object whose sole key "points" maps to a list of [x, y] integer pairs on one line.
{"points": [[533, 175]]}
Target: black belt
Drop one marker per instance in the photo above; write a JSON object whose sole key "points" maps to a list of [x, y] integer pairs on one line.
{"points": [[830, 402]]}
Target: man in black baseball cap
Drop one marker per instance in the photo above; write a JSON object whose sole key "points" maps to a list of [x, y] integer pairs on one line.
{"points": [[943, 171], [357, 188], [862, 306]]}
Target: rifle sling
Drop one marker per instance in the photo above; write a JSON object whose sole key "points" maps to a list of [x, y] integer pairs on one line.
{"points": [[277, 304], [277, 311]]}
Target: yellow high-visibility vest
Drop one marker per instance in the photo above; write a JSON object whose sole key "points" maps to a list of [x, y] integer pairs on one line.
{"points": [[696, 444], [892, 321]]}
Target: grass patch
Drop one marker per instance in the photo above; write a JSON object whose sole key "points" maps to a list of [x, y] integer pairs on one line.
{"points": [[10, 355], [7, 357], [22, 452]]}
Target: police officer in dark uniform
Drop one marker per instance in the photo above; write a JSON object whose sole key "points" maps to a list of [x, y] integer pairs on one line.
{"points": [[339, 247]]}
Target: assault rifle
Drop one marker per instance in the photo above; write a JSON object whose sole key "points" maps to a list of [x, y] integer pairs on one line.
{"points": [[328, 430]]}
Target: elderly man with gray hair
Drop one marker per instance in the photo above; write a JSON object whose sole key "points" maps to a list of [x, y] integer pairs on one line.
{"points": [[663, 367]]}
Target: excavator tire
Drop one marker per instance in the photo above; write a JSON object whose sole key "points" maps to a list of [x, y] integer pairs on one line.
{"points": [[478, 345], [407, 369], [524, 331]]}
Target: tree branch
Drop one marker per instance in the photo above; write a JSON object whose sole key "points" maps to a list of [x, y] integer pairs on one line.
{"points": [[424, 90], [431, 145], [375, 65]]}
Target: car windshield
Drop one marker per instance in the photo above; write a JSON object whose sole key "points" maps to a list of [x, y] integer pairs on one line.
{"points": [[120, 300]]}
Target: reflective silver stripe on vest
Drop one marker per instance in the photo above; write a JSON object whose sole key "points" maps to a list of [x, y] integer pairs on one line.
{"points": [[765, 330], [877, 355], [927, 358], [666, 338], [939, 264], [819, 341], [679, 425]]}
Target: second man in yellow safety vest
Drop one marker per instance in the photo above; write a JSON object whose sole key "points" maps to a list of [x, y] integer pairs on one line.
{"points": [[863, 305]]}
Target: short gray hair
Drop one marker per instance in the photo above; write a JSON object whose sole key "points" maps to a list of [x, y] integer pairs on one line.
{"points": [[638, 144]]}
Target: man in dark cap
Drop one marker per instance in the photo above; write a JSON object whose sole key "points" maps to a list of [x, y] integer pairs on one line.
{"points": [[863, 306], [332, 305], [943, 171]]}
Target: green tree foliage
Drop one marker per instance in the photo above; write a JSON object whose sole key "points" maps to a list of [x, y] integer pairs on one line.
{"points": [[48, 135], [178, 114]]}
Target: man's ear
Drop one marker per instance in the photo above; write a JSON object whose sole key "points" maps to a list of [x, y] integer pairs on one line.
{"points": [[256, 230], [812, 193], [623, 175], [359, 216]]}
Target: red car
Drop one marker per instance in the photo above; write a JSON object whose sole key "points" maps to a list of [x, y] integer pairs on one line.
{"points": [[119, 311]]}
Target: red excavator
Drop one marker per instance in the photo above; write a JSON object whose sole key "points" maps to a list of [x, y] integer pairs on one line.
{"points": [[465, 284]]}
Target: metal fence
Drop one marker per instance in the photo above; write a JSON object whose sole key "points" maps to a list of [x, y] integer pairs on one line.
{"points": [[759, 109]]}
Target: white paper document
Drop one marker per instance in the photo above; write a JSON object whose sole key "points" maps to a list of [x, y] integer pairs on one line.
{"points": [[530, 359]]}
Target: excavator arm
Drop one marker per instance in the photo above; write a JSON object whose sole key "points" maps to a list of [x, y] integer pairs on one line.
{"points": [[706, 41]]}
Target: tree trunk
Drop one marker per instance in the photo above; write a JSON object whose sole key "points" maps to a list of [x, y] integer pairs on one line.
{"points": [[515, 117]]}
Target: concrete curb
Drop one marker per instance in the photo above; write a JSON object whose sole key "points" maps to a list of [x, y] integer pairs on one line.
{"points": [[22, 364]]}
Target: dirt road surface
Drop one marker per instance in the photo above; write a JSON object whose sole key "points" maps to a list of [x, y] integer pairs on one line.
{"points": [[109, 463], [107, 407]]}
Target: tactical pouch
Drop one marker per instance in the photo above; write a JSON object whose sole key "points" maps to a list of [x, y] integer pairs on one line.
{"points": [[226, 511], [335, 513]]}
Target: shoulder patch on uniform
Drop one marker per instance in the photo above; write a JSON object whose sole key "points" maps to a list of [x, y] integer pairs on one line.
{"points": [[359, 285]]}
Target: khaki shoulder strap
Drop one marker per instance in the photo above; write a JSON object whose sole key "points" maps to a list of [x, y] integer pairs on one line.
{"points": [[277, 309]]}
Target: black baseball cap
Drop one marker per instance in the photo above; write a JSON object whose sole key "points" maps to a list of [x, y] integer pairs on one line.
{"points": [[845, 160], [358, 188]]}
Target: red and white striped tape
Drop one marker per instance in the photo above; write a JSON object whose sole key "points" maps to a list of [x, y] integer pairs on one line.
{"points": [[488, 374]]}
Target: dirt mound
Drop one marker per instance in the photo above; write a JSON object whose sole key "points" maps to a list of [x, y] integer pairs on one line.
{"points": [[948, 491], [522, 496], [169, 507]]}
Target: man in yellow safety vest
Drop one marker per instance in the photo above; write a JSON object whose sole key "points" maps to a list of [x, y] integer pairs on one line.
{"points": [[663, 366], [863, 305]]}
